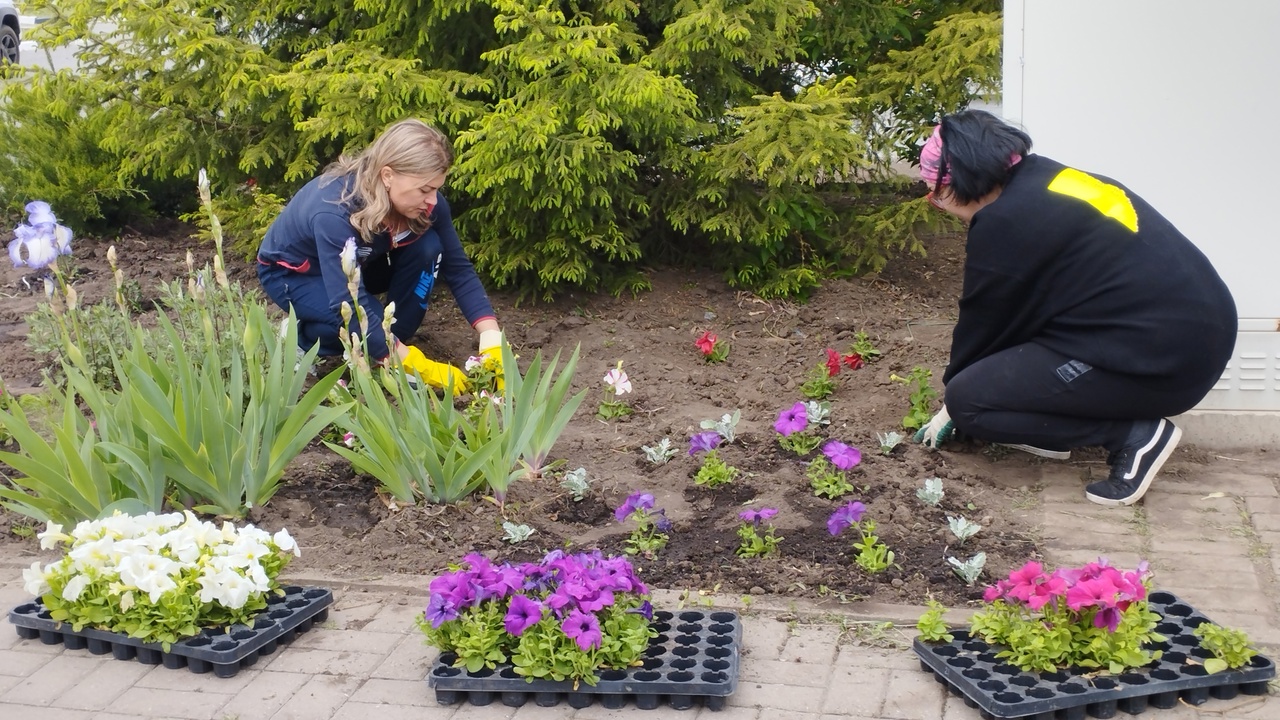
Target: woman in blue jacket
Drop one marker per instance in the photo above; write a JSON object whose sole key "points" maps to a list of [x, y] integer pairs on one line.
{"points": [[387, 200], [1086, 318]]}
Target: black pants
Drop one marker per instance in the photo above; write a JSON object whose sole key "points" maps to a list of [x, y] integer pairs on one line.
{"points": [[1032, 395]]}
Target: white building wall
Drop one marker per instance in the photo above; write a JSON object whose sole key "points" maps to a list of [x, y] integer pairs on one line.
{"points": [[1180, 101]]}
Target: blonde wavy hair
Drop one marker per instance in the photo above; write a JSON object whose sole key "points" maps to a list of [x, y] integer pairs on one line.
{"points": [[409, 147]]}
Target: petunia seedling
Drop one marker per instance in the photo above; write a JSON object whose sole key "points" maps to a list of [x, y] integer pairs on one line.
{"points": [[661, 452], [575, 481], [931, 493], [514, 533], [826, 480], [714, 471], [962, 528], [758, 539], [726, 426], [652, 526], [791, 427], [1230, 647], [712, 348], [970, 569], [616, 384]]}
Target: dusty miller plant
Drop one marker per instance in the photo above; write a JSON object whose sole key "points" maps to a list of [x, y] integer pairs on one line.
{"points": [[970, 569], [726, 426], [514, 534], [931, 493], [962, 528], [660, 453], [575, 481]]}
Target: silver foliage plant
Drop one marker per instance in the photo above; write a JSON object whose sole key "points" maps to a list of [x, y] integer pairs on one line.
{"points": [[962, 528], [931, 493], [575, 481], [970, 569], [660, 453], [726, 426], [514, 533]]}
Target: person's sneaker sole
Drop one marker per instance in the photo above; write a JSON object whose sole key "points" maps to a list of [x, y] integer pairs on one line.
{"points": [[1174, 437], [1040, 452]]}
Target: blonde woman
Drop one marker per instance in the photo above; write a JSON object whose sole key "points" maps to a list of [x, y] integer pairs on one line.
{"points": [[388, 200]]}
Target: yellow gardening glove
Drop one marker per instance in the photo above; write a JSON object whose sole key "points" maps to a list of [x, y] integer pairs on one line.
{"points": [[491, 350], [438, 375]]}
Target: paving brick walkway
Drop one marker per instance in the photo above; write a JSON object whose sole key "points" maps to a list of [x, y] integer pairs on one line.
{"points": [[1213, 538]]}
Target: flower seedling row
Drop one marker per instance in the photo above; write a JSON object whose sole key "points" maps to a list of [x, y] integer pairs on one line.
{"points": [[969, 667], [221, 650], [694, 657]]}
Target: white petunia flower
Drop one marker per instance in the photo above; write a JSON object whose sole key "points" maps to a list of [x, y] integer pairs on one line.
{"points": [[51, 536], [286, 543], [33, 580], [76, 585]]}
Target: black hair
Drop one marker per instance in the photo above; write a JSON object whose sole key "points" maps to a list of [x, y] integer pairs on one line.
{"points": [[976, 149]]}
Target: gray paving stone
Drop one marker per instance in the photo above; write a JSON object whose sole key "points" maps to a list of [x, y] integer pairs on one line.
{"points": [[397, 618], [785, 673], [99, 689], [33, 712], [781, 697], [358, 641], [153, 703], [811, 644], [395, 692], [55, 678], [162, 678], [730, 712], [533, 711], [411, 659], [325, 662], [1201, 484], [375, 711], [352, 611], [913, 696], [266, 693], [21, 664], [662, 712], [856, 691], [489, 712], [318, 699]]}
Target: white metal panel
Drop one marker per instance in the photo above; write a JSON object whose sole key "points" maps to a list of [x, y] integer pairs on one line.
{"points": [[1177, 100]]}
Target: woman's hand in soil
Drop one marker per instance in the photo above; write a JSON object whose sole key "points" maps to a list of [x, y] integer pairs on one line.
{"points": [[939, 430]]}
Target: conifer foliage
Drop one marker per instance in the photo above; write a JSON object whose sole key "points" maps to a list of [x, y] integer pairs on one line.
{"points": [[592, 137]]}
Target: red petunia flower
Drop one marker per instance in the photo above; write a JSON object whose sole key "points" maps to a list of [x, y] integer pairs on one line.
{"points": [[706, 343], [853, 361], [833, 362]]}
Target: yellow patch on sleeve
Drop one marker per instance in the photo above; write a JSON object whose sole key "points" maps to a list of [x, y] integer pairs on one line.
{"points": [[1104, 197]]}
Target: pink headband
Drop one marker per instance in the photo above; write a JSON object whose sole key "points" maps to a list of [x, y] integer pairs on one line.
{"points": [[931, 159]]}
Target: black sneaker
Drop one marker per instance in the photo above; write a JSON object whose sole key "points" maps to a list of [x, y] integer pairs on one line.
{"points": [[1133, 467]]}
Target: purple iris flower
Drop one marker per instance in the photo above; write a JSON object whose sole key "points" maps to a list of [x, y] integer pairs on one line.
{"points": [[522, 614], [703, 442], [841, 455], [756, 517], [635, 501], [582, 628], [845, 516], [439, 610], [792, 420]]}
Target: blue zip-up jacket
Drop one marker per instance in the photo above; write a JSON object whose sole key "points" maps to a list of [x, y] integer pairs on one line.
{"points": [[309, 234]]}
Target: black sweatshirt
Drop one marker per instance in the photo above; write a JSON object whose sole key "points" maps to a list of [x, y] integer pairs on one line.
{"points": [[1066, 269]]}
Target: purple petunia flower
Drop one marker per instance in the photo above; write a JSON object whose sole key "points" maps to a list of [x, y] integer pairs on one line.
{"points": [[522, 614], [661, 522], [439, 610], [793, 419], [841, 455], [845, 516], [582, 628], [703, 442], [757, 516], [645, 610], [635, 501]]}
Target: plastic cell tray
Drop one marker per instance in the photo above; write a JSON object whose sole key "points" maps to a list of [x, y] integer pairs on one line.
{"points": [[695, 657], [969, 667], [222, 650]]}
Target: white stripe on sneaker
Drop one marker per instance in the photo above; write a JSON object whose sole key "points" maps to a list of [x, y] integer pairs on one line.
{"points": [[1136, 462]]}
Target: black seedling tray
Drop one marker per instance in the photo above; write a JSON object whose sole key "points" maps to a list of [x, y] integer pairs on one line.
{"points": [[222, 650], [969, 667], [694, 656]]}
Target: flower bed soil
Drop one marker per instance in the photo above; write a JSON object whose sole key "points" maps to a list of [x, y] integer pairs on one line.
{"points": [[346, 528]]}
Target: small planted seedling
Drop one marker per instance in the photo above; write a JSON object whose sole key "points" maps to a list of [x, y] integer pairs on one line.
{"points": [[818, 412], [514, 533], [970, 569], [962, 528], [922, 397], [863, 348], [889, 441], [575, 481], [1230, 647], [931, 626], [873, 555], [660, 453], [726, 426], [931, 493], [714, 471], [826, 480]]}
